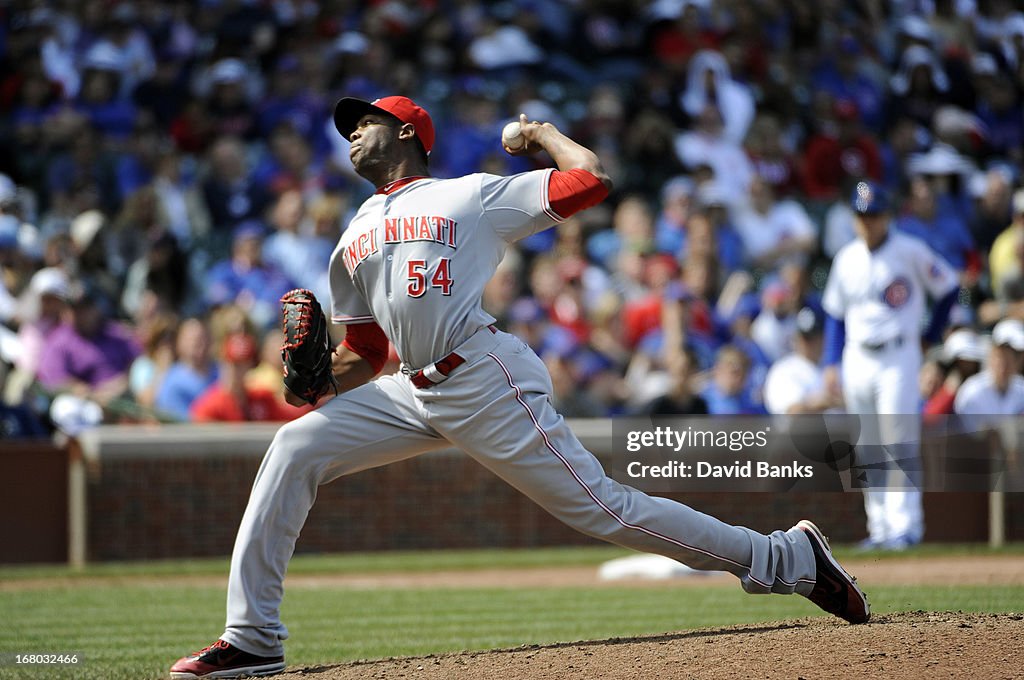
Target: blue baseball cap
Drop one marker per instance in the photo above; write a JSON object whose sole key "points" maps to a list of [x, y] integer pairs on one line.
{"points": [[869, 199]]}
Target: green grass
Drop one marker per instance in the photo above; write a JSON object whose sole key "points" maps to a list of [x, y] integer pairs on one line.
{"points": [[353, 563], [134, 631], [433, 560]]}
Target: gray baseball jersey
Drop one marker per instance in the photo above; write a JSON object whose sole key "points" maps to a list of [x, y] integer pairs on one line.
{"points": [[415, 260]]}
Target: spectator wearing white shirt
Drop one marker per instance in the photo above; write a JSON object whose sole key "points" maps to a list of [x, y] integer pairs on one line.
{"points": [[999, 389], [706, 145], [774, 231], [796, 382]]}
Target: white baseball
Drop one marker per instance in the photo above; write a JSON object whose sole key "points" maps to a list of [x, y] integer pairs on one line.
{"points": [[512, 136]]}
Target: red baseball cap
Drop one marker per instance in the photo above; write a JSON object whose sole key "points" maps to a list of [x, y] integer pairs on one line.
{"points": [[349, 110]]}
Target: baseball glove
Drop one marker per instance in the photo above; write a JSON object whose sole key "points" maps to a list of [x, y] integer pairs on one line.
{"points": [[306, 351]]}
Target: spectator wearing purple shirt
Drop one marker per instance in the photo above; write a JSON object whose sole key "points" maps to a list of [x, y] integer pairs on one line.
{"points": [[89, 354]]}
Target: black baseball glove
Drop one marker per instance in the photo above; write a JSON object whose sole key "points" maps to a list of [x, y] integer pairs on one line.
{"points": [[307, 348]]}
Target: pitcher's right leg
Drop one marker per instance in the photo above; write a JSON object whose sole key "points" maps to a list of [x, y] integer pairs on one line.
{"points": [[375, 424]]}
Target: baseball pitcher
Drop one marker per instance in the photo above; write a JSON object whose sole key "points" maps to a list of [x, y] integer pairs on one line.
{"points": [[411, 268]]}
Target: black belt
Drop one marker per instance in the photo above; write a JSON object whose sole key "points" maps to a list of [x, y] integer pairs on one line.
{"points": [[438, 371], [879, 346]]}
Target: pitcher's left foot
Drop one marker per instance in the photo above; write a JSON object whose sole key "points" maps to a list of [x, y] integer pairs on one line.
{"points": [[835, 590]]}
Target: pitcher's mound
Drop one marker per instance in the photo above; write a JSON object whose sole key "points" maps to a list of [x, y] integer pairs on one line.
{"points": [[905, 645]]}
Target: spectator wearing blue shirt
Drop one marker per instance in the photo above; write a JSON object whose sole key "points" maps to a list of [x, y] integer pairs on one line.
{"points": [[302, 257], [839, 75], [190, 375], [292, 102], [728, 391], [99, 99], [711, 200], [246, 280], [999, 109], [944, 230]]}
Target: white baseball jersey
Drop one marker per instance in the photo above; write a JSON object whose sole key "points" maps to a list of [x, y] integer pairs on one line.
{"points": [[416, 260], [881, 294]]}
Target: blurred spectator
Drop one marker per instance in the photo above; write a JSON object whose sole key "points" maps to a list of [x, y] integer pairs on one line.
{"points": [[267, 375], [291, 165], [796, 383], [709, 85], [680, 399], [190, 374], [88, 355], [229, 399], [994, 207], [772, 161], [565, 393], [228, 101], [841, 75], [290, 100], [230, 193], [710, 228], [677, 204], [41, 311], [633, 231], [149, 368], [999, 389], [503, 288], [162, 271], [163, 94], [727, 393], [961, 357], [302, 257], [919, 87], [100, 99], [1004, 261], [999, 109], [246, 280], [774, 231], [944, 231], [706, 145], [840, 151], [775, 326]]}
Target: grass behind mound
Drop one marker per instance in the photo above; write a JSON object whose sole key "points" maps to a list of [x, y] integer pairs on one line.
{"points": [[136, 631]]}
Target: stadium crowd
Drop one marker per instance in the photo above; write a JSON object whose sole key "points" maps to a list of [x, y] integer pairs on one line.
{"points": [[170, 169]]}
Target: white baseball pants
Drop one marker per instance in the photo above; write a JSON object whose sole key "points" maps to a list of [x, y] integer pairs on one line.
{"points": [[886, 382], [496, 408]]}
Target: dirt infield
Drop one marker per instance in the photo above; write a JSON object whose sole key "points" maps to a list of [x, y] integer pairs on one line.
{"points": [[910, 645]]}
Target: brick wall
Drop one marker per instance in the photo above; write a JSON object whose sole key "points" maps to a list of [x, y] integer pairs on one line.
{"points": [[182, 507]]}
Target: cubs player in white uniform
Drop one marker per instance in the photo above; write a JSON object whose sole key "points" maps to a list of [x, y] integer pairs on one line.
{"points": [[875, 301], [411, 268]]}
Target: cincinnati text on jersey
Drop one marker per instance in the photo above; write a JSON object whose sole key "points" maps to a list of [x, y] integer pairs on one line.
{"points": [[432, 228]]}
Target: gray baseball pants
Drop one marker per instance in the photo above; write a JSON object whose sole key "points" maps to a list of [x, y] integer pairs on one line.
{"points": [[496, 408]]}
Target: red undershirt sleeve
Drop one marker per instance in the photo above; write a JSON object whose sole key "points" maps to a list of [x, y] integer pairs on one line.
{"points": [[368, 341], [574, 190]]}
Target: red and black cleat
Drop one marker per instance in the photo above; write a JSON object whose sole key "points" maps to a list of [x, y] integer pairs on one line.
{"points": [[223, 660], [835, 590]]}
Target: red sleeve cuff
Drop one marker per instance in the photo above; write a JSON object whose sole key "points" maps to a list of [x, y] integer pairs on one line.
{"points": [[368, 341], [574, 190]]}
